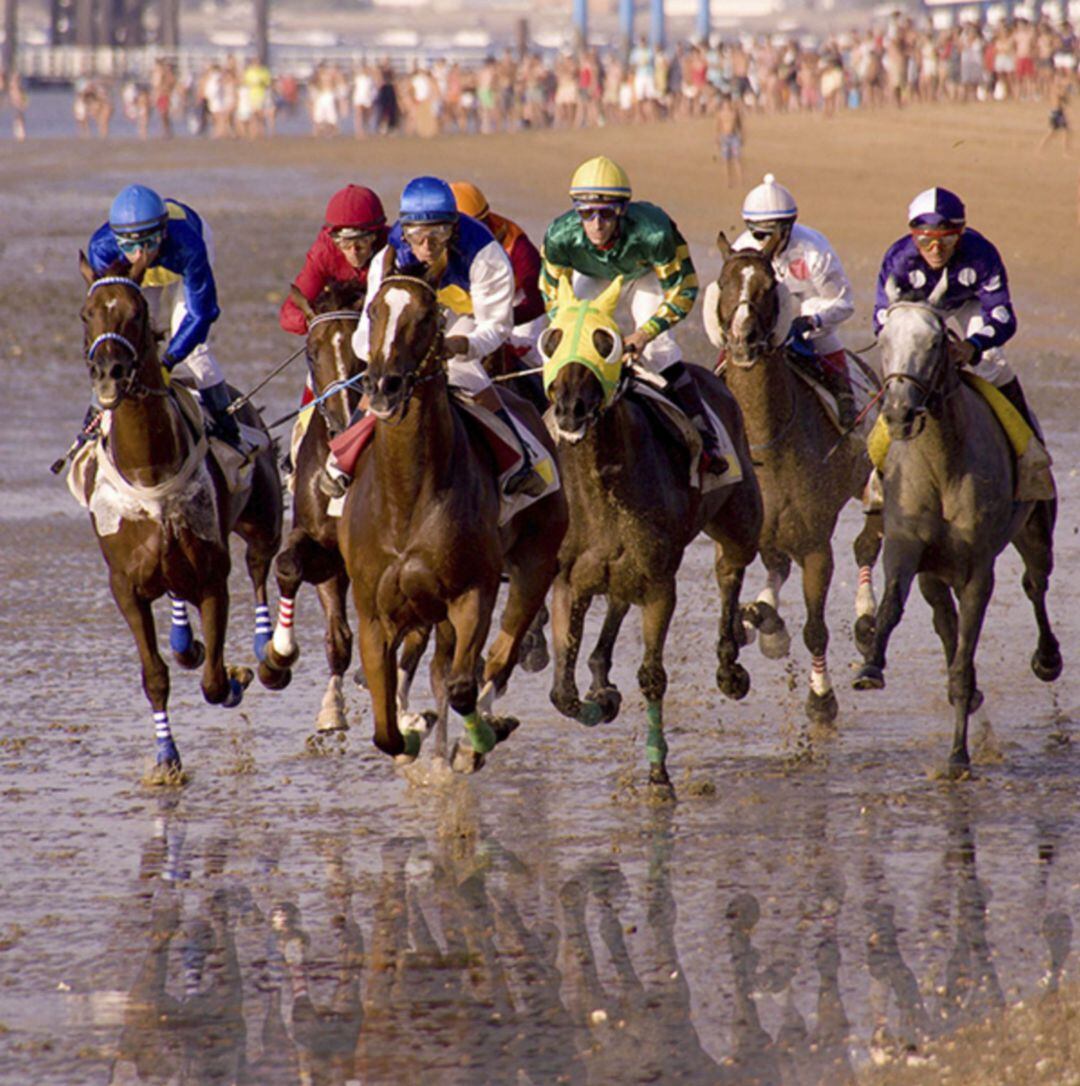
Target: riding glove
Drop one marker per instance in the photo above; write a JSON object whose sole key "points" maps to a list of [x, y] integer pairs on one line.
{"points": [[802, 326]]}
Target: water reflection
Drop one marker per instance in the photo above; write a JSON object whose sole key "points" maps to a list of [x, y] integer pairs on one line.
{"points": [[480, 967]]}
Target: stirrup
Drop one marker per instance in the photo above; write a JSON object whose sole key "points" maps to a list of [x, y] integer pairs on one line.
{"points": [[714, 462], [333, 485], [526, 480]]}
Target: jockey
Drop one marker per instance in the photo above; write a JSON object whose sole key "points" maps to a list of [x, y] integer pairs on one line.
{"points": [[530, 313], [939, 243], [606, 235], [178, 285], [809, 268], [475, 283], [354, 230]]}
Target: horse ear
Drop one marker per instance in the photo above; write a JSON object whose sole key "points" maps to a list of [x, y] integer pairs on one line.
{"points": [[768, 250], [723, 245], [937, 295], [301, 302], [85, 269], [608, 298], [892, 290]]}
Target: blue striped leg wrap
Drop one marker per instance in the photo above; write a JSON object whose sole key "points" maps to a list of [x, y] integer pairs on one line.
{"points": [[167, 754], [264, 629], [180, 636]]}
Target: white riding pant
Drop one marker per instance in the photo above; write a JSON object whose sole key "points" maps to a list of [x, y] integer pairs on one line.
{"points": [[467, 374], [992, 366], [526, 335], [167, 303], [645, 296]]}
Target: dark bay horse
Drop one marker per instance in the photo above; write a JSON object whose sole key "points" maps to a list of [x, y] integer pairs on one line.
{"points": [[310, 553], [170, 514], [633, 511], [804, 481], [420, 533], [949, 511]]}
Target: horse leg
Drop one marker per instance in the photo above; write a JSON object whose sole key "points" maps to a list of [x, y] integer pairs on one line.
{"points": [[440, 674], [901, 561], [731, 677], [1035, 542], [567, 623], [603, 692], [258, 567], [534, 656], [380, 667], [412, 650], [937, 593], [530, 577], [220, 686], [656, 615], [763, 615], [974, 597], [867, 547], [338, 639], [188, 652], [155, 672], [817, 573], [470, 616], [282, 653]]}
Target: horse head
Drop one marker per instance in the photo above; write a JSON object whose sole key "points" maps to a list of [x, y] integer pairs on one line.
{"points": [[330, 357], [406, 343], [118, 340], [915, 360], [746, 306], [582, 352]]}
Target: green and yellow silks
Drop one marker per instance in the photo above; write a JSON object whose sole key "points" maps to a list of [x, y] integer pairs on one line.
{"points": [[578, 320]]}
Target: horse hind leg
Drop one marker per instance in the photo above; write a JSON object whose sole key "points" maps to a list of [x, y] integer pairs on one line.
{"points": [[731, 677], [763, 615], [282, 652], [867, 547], [937, 594], [603, 699], [1035, 542], [974, 597], [220, 685], [534, 655], [470, 616], [412, 650], [187, 650], [821, 704], [652, 679], [567, 627], [338, 638]]}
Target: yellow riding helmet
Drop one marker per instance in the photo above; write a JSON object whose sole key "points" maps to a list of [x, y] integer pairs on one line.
{"points": [[469, 199], [600, 179]]}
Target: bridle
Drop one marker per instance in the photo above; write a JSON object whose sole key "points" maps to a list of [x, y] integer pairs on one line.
{"points": [[931, 388], [130, 385], [343, 385], [760, 342]]}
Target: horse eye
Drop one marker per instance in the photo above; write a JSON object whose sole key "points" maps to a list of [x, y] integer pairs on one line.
{"points": [[604, 342]]}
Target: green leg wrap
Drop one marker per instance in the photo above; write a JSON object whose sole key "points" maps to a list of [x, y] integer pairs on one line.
{"points": [[481, 735], [656, 744], [412, 740]]}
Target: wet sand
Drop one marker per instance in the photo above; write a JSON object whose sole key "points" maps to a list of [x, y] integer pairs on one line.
{"points": [[813, 905]]}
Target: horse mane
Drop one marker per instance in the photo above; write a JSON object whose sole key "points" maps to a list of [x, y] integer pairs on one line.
{"points": [[339, 294]]}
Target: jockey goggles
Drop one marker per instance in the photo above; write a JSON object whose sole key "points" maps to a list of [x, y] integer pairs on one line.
{"points": [[351, 235], [129, 244], [603, 212], [428, 231]]}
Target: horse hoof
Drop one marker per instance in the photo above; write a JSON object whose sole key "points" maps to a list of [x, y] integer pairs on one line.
{"points": [[168, 757], [775, 645], [958, 770], [864, 634], [260, 645], [609, 699], [535, 657], [360, 678], [749, 634], [239, 680], [822, 708], [734, 682], [1047, 669], [331, 721], [464, 759], [502, 726], [280, 661], [273, 680], [192, 658], [869, 677], [590, 714], [661, 790]]}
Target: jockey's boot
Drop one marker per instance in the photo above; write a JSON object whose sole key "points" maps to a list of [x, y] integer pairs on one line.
{"points": [[1015, 395], [683, 392], [835, 379], [333, 480], [526, 479], [223, 424]]}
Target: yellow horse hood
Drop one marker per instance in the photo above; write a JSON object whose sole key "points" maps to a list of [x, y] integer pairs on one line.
{"points": [[578, 320]]}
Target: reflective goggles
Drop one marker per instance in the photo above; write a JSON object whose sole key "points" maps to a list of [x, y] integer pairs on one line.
{"points": [[427, 231], [602, 212], [927, 236], [129, 244], [350, 237]]}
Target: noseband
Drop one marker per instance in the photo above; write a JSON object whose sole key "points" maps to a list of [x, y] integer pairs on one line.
{"points": [[130, 386], [332, 428], [761, 339]]}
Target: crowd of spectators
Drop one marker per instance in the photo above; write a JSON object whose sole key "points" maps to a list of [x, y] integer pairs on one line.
{"points": [[897, 63]]}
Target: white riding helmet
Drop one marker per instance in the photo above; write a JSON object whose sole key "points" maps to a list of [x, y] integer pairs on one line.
{"points": [[769, 202]]}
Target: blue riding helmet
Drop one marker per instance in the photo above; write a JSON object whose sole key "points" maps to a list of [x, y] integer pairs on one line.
{"points": [[936, 207], [428, 199], [137, 210]]}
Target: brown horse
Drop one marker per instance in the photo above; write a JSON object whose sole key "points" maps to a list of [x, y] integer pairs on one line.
{"points": [[420, 532], [949, 511], [806, 475], [165, 528], [633, 513], [311, 550]]}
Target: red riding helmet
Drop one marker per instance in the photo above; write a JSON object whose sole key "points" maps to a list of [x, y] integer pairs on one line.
{"points": [[357, 207]]}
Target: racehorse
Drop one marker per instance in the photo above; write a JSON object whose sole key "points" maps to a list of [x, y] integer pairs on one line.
{"points": [[949, 481], [633, 512], [169, 522], [806, 475], [311, 550], [420, 533]]}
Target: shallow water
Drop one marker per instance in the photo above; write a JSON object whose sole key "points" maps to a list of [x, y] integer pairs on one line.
{"points": [[810, 900]]}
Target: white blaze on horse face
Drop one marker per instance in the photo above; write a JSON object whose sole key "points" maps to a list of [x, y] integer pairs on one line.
{"points": [[908, 338], [741, 325], [396, 299], [342, 373]]}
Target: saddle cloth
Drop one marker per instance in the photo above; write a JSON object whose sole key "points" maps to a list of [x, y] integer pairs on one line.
{"points": [[348, 446], [1034, 479]]}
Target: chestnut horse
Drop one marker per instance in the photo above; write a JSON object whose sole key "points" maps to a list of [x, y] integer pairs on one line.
{"points": [[949, 510], [311, 550], [420, 533], [173, 513], [806, 475], [633, 513]]}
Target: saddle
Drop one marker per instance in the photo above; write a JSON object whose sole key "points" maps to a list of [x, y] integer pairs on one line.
{"points": [[806, 365]]}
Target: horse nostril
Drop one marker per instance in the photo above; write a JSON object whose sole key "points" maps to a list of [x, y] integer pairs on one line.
{"points": [[391, 385], [116, 372]]}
